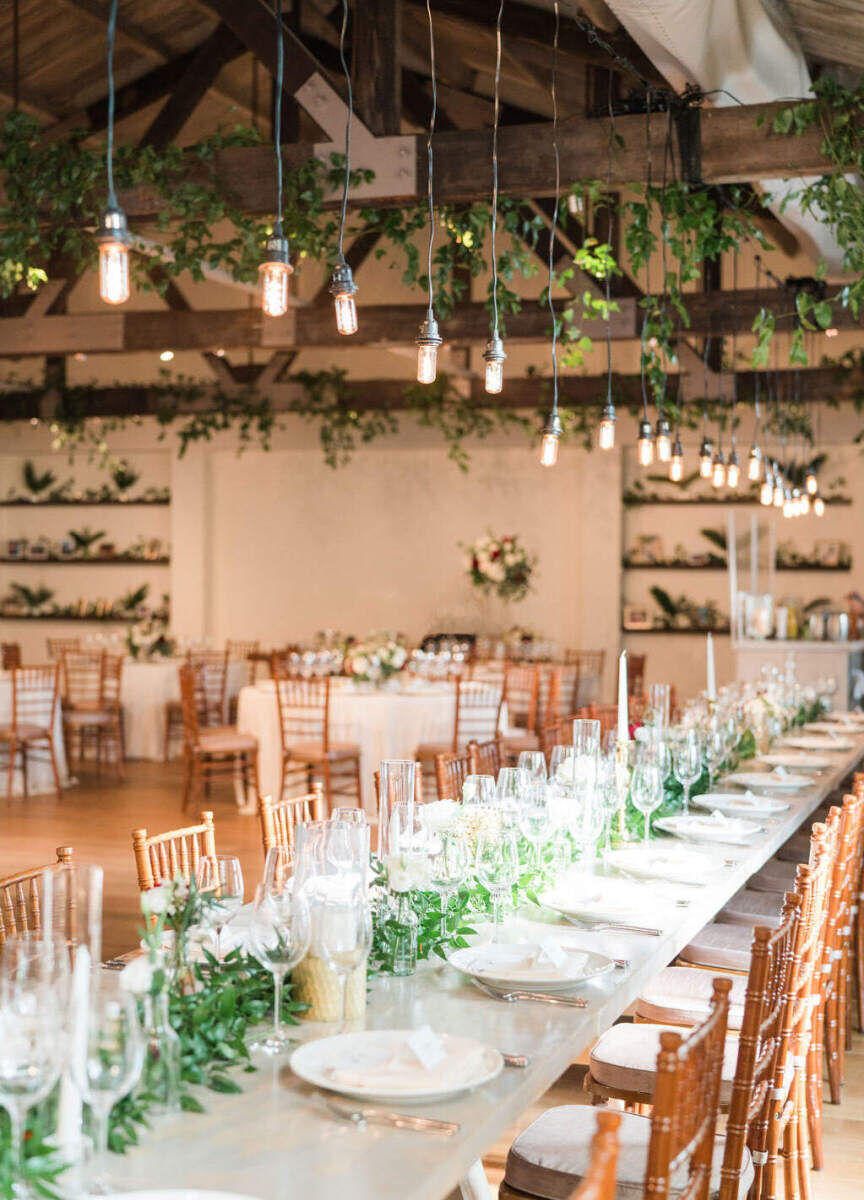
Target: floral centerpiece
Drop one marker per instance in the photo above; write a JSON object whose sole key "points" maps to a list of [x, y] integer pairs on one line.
{"points": [[149, 638], [500, 566], [379, 657]]}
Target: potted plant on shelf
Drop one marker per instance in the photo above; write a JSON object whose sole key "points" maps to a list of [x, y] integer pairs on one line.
{"points": [[84, 540]]}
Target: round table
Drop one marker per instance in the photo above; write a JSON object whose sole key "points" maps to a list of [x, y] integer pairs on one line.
{"points": [[40, 777], [387, 723], [145, 688]]}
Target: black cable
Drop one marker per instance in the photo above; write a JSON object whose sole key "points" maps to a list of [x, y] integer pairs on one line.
{"points": [[109, 145], [552, 232], [277, 114], [495, 123], [430, 165], [347, 74]]}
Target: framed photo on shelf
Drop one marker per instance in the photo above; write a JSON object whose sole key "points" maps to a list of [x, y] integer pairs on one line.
{"points": [[635, 617], [16, 548]]}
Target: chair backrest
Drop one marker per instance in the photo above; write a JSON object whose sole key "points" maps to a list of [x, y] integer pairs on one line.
{"points": [[485, 758], [489, 670], [34, 695], [478, 710], [548, 693], [57, 645], [521, 690], [304, 710], [606, 714], [279, 817], [190, 702], [559, 733], [589, 680], [91, 679], [240, 651], [11, 652], [686, 1102], [598, 1182], [450, 772], [164, 856], [20, 900], [636, 673], [566, 698], [212, 685]]}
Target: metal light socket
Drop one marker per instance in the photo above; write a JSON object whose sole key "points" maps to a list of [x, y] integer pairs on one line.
{"points": [[277, 250], [112, 227], [342, 281]]}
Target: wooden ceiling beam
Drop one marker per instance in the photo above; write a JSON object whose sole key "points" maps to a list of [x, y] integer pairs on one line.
{"points": [[376, 71]]}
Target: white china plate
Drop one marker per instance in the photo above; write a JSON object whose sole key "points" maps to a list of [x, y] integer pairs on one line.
{"points": [[597, 898], [834, 727], [847, 715], [747, 805], [803, 759], [819, 743], [769, 779], [675, 863], [693, 827], [363, 1065], [505, 965], [177, 1194]]}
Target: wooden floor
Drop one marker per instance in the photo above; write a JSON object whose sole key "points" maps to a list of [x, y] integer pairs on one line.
{"points": [[97, 817]]}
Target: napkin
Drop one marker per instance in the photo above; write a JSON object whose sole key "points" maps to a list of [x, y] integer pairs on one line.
{"points": [[780, 772], [524, 960], [399, 1071]]}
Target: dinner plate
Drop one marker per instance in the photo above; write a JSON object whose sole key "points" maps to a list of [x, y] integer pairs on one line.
{"points": [[819, 743], [676, 864], [787, 781], [748, 805], [177, 1194], [525, 964], [845, 715], [803, 759], [379, 1065], [834, 727], [694, 827], [597, 898]]}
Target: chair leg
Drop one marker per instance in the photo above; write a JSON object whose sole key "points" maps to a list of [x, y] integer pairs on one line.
{"points": [[358, 782], [328, 793], [256, 787], [10, 779], [53, 757], [25, 782]]}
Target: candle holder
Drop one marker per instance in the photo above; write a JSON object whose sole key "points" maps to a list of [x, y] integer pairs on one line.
{"points": [[623, 769]]}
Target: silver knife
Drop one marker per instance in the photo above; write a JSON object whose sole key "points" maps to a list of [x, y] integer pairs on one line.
{"points": [[379, 1116]]}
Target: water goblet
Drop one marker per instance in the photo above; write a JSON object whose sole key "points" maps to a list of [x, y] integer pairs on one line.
{"points": [[607, 791], [342, 934], [497, 866], [220, 879], [687, 761], [646, 792], [449, 861], [715, 751], [279, 936], [586, 736], [534, 762], [478, 789], [535, 820]]}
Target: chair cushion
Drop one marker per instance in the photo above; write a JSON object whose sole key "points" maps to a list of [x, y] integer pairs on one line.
{"points": [[79, 718], [314, 751], [625, 1059], [225, 741], [774, 877], [726, 947], [681, 996], [24, 732], [796, 850], [550, 1157], [752, 908]]}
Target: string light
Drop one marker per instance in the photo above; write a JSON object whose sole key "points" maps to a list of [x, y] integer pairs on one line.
{"points": [[645, 445], [429, 339], [706, 458], [718, 469], [342, 286], [766, 492], [112, 234], [276, 264], [606, 431], [552, 430], [494, 355], [663, 438], [733, 469], [754, 464], [804, 504], [818, 505], [811, 483], [676, 462]]}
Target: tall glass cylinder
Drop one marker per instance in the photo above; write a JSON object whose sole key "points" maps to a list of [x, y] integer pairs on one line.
{"points": [[396, 786]]}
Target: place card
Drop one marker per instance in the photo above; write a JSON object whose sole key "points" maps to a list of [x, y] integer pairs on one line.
{"points": [[427, 1047], [554, 953]]}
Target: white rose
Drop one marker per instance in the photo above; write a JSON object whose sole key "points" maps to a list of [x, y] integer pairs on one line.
{"points": [[359, 665], [407, 872], [496, 572], [439, 815], [400, 655], [155, 901], [137, 975]]}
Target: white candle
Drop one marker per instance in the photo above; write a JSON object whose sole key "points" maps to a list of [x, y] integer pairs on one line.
{"points": [[712, 678], [623, 719]]}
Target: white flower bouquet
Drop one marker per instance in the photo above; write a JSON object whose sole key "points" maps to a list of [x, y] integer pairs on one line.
{"points": [[149, 638], [500, 565], [380, 657]]}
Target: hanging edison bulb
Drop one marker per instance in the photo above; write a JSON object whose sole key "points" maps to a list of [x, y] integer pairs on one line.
{"points": [[343, 290], [804, 504], [552, 431], [811, 483], [494, 356], [676, 462], [663, 438], [779, 494], [818, 505], [113, 240], [733, 469], [754, 464], [645, 444], [706, 458], [428, 340], [274, 271], [718, 470], [606, 431], [766, 492]]}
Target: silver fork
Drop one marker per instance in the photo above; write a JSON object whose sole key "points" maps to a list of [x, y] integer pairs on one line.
{"points": [[613, 925], [360, 1115], [539, 997]]}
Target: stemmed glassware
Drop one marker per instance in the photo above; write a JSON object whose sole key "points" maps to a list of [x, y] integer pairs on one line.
{"points": [[350, 816], [607, 791], [342, 934], [659, 700], [221, 877], [278, 938], [478, 789], [715, 751], [535, 820], [687, 761], [108, 1064], [497, 865], [534, 762], [646, 791], [512, 785], [449, 862]]}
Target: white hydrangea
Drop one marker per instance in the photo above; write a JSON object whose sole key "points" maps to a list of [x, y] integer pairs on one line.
{"points": [[137, 975], [407, 872]]}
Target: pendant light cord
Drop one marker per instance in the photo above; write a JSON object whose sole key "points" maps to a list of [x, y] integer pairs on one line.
{"points": [[277, 113], [611, 110], [734, 347], [644, 380], [757, 405], [495, 122], [552, 232], [109, 144], [430, 161], [348, 120], [16, 54]]}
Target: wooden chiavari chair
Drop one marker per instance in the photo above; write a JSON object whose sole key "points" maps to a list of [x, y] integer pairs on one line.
{"points": [[636, 673], [92, 712], [451, 771], [589, 681], [599, 1180], [57, 646], [31, 729], [606, 714], [211, 688], [20, 902], [211, 752], [11, 652], [308, 751], [838, 943], [548, 693], [248, 655], [164, 856], [476, 718], [671, 1153], [279, 817], [486, 758], [559, 733], [521, 692]]}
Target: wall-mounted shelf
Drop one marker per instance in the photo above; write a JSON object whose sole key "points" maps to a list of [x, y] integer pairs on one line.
{"points": [[718, 567], [710, 502], [113, 561], [85, 503], [719, 631], [67, 617]]}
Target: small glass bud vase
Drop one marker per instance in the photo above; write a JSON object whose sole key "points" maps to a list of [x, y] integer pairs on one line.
{"points": [[404, 926], [160, 1076]]}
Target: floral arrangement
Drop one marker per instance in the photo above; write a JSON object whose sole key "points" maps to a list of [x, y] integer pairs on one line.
{"points": [[376, 659], [500, 565], [149, 638]]}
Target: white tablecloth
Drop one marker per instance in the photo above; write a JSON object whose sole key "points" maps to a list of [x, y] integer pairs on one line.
{"points": [[145, 689], [40, 778], [385, 724]]}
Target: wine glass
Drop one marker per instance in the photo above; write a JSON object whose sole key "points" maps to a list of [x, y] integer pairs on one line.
{"points": [[511, 786], [108, 1064], [659, 699], [497, 866], [350, 816], [557, 759], [607, 791], [342, 934], [478, 789], [646, 791], [34, 978], [220, 878], [715, 751], [535, 820], [586, 736], [278, 938], [449, 860], [588, 818], [687, 761], [534, 762]]}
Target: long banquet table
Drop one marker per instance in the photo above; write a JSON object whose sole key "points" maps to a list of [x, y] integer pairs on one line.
{"points": [[278, 1140]]}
